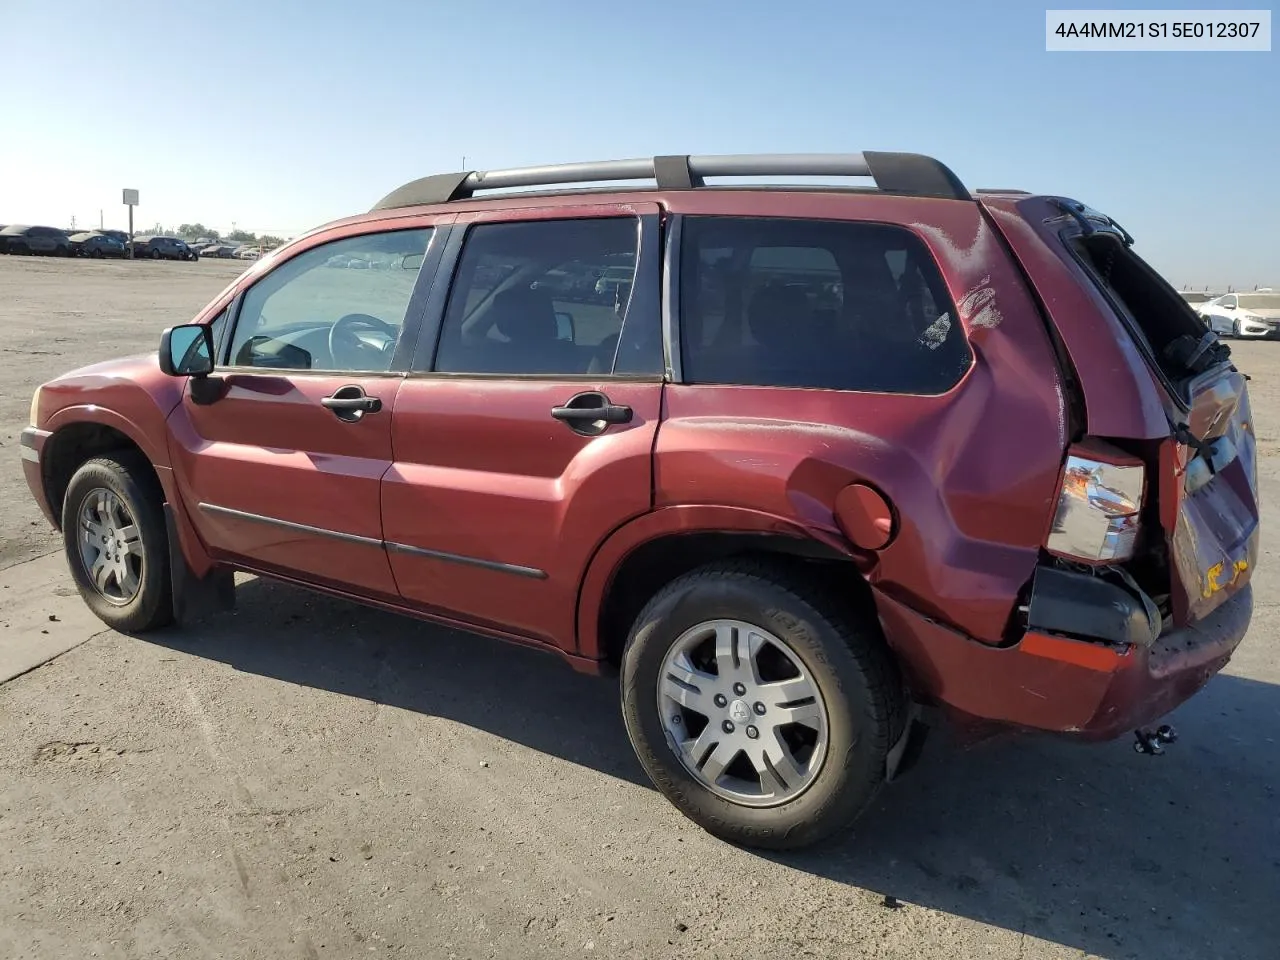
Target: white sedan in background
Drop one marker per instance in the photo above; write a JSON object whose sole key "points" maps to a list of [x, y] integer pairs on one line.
{"points": [[1255, 314]]}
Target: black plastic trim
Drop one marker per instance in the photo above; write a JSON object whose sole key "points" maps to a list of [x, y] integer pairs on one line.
{"points": [[193, 596], [1086, 606], [432, 323], [672, 173], [914, 174], [438, 188]]}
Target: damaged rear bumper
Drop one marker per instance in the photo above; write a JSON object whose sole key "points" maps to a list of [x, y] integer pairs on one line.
{"points": [[1048, 682]]}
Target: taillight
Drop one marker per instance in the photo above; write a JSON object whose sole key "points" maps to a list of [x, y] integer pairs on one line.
{"points": [[1099, 502]]}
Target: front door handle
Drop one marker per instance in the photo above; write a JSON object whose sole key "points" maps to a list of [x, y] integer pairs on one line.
{"points": [[591, 413], [351, 403]]}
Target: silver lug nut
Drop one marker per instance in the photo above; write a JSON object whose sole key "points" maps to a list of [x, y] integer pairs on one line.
{"points": [[739, 689], [727, 726], [752, 732], [720, 700], [759, 708]]}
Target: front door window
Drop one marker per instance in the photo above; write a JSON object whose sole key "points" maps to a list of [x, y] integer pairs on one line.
{"points": [[337, 307]]}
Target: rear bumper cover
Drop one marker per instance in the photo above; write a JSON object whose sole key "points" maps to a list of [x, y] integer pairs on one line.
{"points": [[1046, 682], [31, 448]]}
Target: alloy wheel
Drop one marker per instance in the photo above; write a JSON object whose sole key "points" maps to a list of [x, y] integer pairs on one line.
{"points": [[742, 713], [110, 546]]}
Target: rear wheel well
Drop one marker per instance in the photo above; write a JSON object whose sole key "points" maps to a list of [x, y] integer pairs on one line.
{"points": [[70, 447], [654, 564]]}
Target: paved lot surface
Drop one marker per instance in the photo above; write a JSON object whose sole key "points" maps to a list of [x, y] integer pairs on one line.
{"points": [[56, 315], [308, 779]]}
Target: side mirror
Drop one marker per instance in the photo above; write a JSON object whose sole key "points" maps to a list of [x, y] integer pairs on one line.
{"points": [[564, 327], [187, 350]]}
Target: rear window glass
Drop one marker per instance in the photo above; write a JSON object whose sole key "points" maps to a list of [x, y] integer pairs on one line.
{"points": [[818, 304], [1156, 316]]}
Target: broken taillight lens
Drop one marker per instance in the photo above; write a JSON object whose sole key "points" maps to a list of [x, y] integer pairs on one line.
{"points": [[1099, 502]]}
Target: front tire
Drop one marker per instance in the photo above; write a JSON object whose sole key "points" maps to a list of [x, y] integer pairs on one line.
{"points": [[761, 707], [116, 544]]}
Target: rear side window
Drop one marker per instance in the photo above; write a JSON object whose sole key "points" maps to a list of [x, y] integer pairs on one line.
{"points": [[818, 304]]}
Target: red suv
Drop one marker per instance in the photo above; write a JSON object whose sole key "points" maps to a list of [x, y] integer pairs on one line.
{"points": [[827, 457]]}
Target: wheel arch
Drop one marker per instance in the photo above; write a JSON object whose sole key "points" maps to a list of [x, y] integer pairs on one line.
{"points": [[640, 557], [74, 442]]}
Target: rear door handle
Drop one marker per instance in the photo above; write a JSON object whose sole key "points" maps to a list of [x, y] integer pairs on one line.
{"points": [[351, 403], [592, 413]]}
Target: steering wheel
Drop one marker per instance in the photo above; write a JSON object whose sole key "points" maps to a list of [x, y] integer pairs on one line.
{"points": [[348, 351]]}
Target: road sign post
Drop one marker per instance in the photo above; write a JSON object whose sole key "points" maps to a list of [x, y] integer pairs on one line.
{"points": [[130, 201]]}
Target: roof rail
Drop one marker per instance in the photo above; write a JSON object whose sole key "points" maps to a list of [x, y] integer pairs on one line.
{"points": [[905, 173]]}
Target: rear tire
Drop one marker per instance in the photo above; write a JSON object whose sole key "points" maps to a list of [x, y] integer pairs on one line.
{"points": [[116, 543], [847, 688], [155, 254], [1235, 328]]}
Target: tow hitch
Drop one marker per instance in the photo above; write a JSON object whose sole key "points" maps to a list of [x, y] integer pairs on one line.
{"points": [[1151, 742]]}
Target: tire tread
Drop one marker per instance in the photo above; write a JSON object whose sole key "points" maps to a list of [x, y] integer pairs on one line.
{"points": [[884, 706]]}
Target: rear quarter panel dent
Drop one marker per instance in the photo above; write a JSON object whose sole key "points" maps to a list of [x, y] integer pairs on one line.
{"points": [[972, 473]]}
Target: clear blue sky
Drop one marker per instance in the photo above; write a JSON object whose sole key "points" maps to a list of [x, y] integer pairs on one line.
{"points": [[282, 115]]}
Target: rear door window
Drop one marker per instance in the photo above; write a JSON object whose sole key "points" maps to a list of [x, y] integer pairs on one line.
{"points": [[817, 304], [540, 298]]}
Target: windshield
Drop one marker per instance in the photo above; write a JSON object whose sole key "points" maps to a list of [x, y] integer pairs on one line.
{"points": [[1260, 301]]}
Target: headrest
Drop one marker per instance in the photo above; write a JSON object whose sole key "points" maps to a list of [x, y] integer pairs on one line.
{"points": [[524, 315]]}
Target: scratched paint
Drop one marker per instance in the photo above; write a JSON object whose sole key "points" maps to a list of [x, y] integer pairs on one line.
{"points": [[785, 429], [978, 306]]}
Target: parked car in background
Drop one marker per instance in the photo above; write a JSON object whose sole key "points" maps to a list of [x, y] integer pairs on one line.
{"points": [[20, 239], [826, 469], [1251, 314], [163, 248], [222, 251], [97, 245], [248, 253]]}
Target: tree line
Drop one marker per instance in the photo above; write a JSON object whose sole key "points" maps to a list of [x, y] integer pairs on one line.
{"points": [[193, 231]]}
